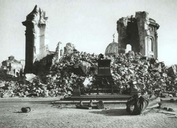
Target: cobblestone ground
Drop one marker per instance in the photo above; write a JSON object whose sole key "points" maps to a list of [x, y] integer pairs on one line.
{"points": [[46, 115]]}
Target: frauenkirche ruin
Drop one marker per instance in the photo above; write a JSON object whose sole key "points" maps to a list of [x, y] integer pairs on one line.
{"points": [[49, 87], [140, 32]]}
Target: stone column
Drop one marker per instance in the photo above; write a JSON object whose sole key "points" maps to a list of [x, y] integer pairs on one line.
{"points": [[122, 34], [35, 37], [58, 51], [142, 22], [156, 46]]}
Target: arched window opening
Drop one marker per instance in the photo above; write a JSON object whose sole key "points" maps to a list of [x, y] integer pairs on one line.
{"points": [[128, 48], [150, 45]]}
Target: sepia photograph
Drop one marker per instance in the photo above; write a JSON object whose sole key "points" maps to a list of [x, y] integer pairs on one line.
{"points": [[88, 64]]}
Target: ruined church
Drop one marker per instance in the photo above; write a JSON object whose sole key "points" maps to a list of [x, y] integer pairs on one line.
{"points": [[36, 40], [137, 33], [140, 32]]}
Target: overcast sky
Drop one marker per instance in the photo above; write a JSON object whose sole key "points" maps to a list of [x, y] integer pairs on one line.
{"points": [[88, 24]]}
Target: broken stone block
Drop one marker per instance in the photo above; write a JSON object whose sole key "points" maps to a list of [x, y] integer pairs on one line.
{"points": [[164, 95], [69, 48], [26, 109], [172, 71], [30, 77], [76, 92], [100, 105], [170, 109], [1, 94], [91, 103], [172, 100], [137, 104]]}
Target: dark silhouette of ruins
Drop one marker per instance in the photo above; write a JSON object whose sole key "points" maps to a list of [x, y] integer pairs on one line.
{"points": [[36, 47], [140, 32], [36, 41]]}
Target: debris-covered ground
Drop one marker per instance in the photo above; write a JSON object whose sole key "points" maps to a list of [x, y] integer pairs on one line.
{"points": [[47, 115]]}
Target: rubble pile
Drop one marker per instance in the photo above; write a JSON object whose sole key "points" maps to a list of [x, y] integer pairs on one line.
{"points": [[130, 72], [72, 71]]}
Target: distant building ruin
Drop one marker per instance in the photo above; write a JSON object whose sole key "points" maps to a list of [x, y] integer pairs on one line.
{"points": [[12, 67], [140, 32]]}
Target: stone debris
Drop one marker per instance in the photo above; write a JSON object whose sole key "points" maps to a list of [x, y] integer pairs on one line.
{"points": [[172, 100], [131, 73], [140, 104], [26, 109], [30, 77], [90, 105], [136, 105]]}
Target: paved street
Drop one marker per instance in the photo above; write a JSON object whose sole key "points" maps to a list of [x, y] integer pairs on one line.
{"points": [[46, 115]]}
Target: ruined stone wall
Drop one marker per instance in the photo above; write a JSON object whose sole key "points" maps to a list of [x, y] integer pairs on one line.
{"points": [[35, 37], [142, 19], [12, 66], [140, 32]]}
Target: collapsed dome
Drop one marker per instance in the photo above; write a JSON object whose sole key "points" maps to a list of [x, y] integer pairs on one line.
{"points": [[112, 49]]}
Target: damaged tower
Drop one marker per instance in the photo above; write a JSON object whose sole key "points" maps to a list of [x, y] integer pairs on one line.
{"points": [[36, 47], [140, 32]]}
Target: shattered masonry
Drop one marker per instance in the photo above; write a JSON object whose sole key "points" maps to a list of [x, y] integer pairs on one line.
{"points": [[36, 47], [36, 41], [140, 32]]}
